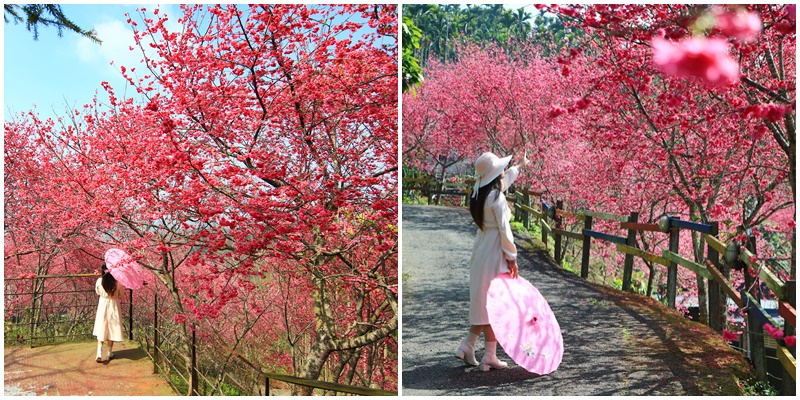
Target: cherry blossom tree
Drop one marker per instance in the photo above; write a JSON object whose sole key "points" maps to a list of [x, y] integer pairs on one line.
{"points": [[265, 146], [708, 129]]}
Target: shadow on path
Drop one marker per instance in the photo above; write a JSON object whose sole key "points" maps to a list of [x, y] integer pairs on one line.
{"points": [[611, 347]]}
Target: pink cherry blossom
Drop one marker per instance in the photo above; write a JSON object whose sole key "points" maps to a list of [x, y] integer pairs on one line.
{"points": [[707, 59], [581, 103], [729, 336], [775, 332], [741, 25], [556, 111]]}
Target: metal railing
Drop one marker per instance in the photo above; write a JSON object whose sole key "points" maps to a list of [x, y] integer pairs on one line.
{"points": [[204, 366], [51, 308]]}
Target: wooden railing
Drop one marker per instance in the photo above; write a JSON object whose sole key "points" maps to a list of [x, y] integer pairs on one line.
{"points": [[714, 270], [212, 365], [34, 317], [43, 309], [435, 190]]}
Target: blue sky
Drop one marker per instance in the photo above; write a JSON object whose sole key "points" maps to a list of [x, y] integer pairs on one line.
{"points": [[53, 72]]}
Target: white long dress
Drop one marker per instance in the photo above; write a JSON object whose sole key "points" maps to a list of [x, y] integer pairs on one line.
{"points": [[108, 321], [493, 248]]}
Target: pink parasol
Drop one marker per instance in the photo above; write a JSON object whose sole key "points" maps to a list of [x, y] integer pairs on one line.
{"points": [[124, 269], [524, 324]]}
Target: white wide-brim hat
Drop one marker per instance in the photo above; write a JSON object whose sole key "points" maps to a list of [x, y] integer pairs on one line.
{"points": [[488, 167]]}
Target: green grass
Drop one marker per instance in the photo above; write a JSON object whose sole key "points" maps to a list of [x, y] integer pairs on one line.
{"points": [[534, 231], [415, 198], [759, 388]]}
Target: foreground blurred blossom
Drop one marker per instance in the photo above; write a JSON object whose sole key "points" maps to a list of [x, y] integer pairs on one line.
{"points": [[699, 57], [742, 25], [729, 336]]}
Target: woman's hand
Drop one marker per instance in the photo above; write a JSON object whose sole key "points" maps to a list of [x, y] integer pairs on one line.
{"points": [[513, 270], [524, 163]]}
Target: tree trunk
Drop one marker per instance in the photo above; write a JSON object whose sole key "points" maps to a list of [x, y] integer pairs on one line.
{"points": [[313, 367], [699, 247]]}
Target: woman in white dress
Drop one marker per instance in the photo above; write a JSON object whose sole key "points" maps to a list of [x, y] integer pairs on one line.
{"points": [[107, 322], [493, 252]]}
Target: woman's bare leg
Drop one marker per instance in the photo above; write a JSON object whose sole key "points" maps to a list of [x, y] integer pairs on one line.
{"points": [[488, 334], [477, 329], [489, 359], [110, 347]]}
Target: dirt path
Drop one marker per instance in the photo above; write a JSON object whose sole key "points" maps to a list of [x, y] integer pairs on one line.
{"points": [[614, 343], [70, 369]]}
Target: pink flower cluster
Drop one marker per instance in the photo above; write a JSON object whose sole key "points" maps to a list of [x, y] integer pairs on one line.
{"points": [[729, 336], [770, 112], [741, 25], [790, 341], [706, 59], [29, 275], [776, 333], [788, 25], [580, 103], [556, 111]]}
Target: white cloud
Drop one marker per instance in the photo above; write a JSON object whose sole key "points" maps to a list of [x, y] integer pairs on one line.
{"points": [[117, 37]]}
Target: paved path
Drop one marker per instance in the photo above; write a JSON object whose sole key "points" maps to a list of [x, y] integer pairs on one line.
{"points": [[610, 348], [70, 369]]}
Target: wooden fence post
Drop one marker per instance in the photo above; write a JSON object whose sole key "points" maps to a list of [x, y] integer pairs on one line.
{"points": [[33, 312], [717, 304], [193, 376], [556, 236], [627, 273], [756, 331], [789, 294], [526, 217], [543, 221], [130, 314], [672, 269], [155, 333], [587, 244]]}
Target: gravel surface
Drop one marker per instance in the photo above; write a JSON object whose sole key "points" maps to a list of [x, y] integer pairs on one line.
{"points": [[600, 357]]}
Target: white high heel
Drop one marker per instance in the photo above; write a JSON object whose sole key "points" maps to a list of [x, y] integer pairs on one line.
{"points": [[490, 360], [466, 353], [99, 357]]}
